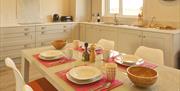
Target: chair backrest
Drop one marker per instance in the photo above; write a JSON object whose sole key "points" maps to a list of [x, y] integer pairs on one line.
{"points": [[20, 84], [106, 44], [150, 54]]}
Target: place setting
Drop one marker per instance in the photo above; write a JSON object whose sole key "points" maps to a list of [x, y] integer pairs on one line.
{"points": [[90, 78], [126, 60], [55, 56]]}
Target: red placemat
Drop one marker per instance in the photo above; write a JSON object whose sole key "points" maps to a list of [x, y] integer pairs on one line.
{"points": [[87, 87], [122, 67], [62, 60]]}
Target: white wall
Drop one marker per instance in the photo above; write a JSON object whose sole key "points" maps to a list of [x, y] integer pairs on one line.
{"points": [[165, 12], [47, 7]]}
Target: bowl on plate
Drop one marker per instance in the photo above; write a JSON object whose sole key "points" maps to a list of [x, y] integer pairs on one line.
{"points": [[142, 76], [58, 44]]}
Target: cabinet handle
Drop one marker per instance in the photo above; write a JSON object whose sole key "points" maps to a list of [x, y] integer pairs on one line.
{"points": [[43, 28], [43, 44], [65, 30], [26, 34], [43, 32], [26, 46], [26, 29]]}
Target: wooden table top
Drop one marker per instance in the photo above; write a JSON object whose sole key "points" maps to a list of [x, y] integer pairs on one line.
{"points": [[168, 80]]}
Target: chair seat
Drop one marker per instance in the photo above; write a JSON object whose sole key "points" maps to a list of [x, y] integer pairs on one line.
{"points": [[41, 85]]}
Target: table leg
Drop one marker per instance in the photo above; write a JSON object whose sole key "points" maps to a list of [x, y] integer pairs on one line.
{"points": [[25, 69]]}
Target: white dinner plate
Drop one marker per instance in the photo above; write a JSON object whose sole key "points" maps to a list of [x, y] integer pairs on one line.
{"points": [[129, 60], [81, 82], [49, 59], [85, 73], [51, 54]]}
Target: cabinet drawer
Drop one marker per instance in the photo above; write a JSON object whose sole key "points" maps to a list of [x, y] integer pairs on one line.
{"points": [[44, 43], [52, 35], [18, 37], [11, 30], [15, 51], [53, 27], [17, 47], [16, 43]]}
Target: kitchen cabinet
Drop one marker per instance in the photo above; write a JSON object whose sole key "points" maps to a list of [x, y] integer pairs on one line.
{"points": [[128, 40], [159, 41], [82, 32], [47, 33], [14, 39], [28, 11], [75, 34], [80, 10], [92, 34]]}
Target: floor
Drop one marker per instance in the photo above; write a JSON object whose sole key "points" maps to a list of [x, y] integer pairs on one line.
{"points": [[7, 80]]}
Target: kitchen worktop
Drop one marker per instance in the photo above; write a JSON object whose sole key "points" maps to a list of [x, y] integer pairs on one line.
{"points": [[176, 31], [33, 24]]}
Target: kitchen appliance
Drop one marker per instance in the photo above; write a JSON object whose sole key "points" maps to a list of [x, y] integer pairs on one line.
{"points": [[66, 18], [56, 18]]}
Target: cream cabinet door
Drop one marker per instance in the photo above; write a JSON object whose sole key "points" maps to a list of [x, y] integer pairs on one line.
{"points": [[109, 34], [47, 33], [159, 41], [129, 40], [82, 32], [92, 34], [75, 33]]}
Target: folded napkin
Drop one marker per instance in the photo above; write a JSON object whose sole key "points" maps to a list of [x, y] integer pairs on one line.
{"points": [[123, 68], [62, 60], [149, 65], [87, 87]]}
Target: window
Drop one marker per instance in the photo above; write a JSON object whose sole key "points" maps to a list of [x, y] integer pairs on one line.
{"points": [[114, 6], [123, 7]]}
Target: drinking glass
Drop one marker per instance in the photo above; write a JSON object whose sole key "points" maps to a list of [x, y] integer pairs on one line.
{"points": [[111, 71], [76, 44]]}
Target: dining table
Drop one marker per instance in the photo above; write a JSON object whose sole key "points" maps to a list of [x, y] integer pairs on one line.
{"points": [[168, 78]]}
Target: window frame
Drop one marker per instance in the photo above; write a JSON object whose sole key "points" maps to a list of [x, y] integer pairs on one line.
{"points": [[120, 14]]}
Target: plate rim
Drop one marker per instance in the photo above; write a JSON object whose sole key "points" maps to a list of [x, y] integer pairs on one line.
{"points": [[42, 53], [82, 83], [100, 73]]}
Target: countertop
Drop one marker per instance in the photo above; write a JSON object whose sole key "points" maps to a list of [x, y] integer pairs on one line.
{"points": [[35, 24], [176, 31]]}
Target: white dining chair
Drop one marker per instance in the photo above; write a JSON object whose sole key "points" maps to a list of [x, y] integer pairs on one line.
{"points": [[106, 44], [38, 85], [150, 54]]}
